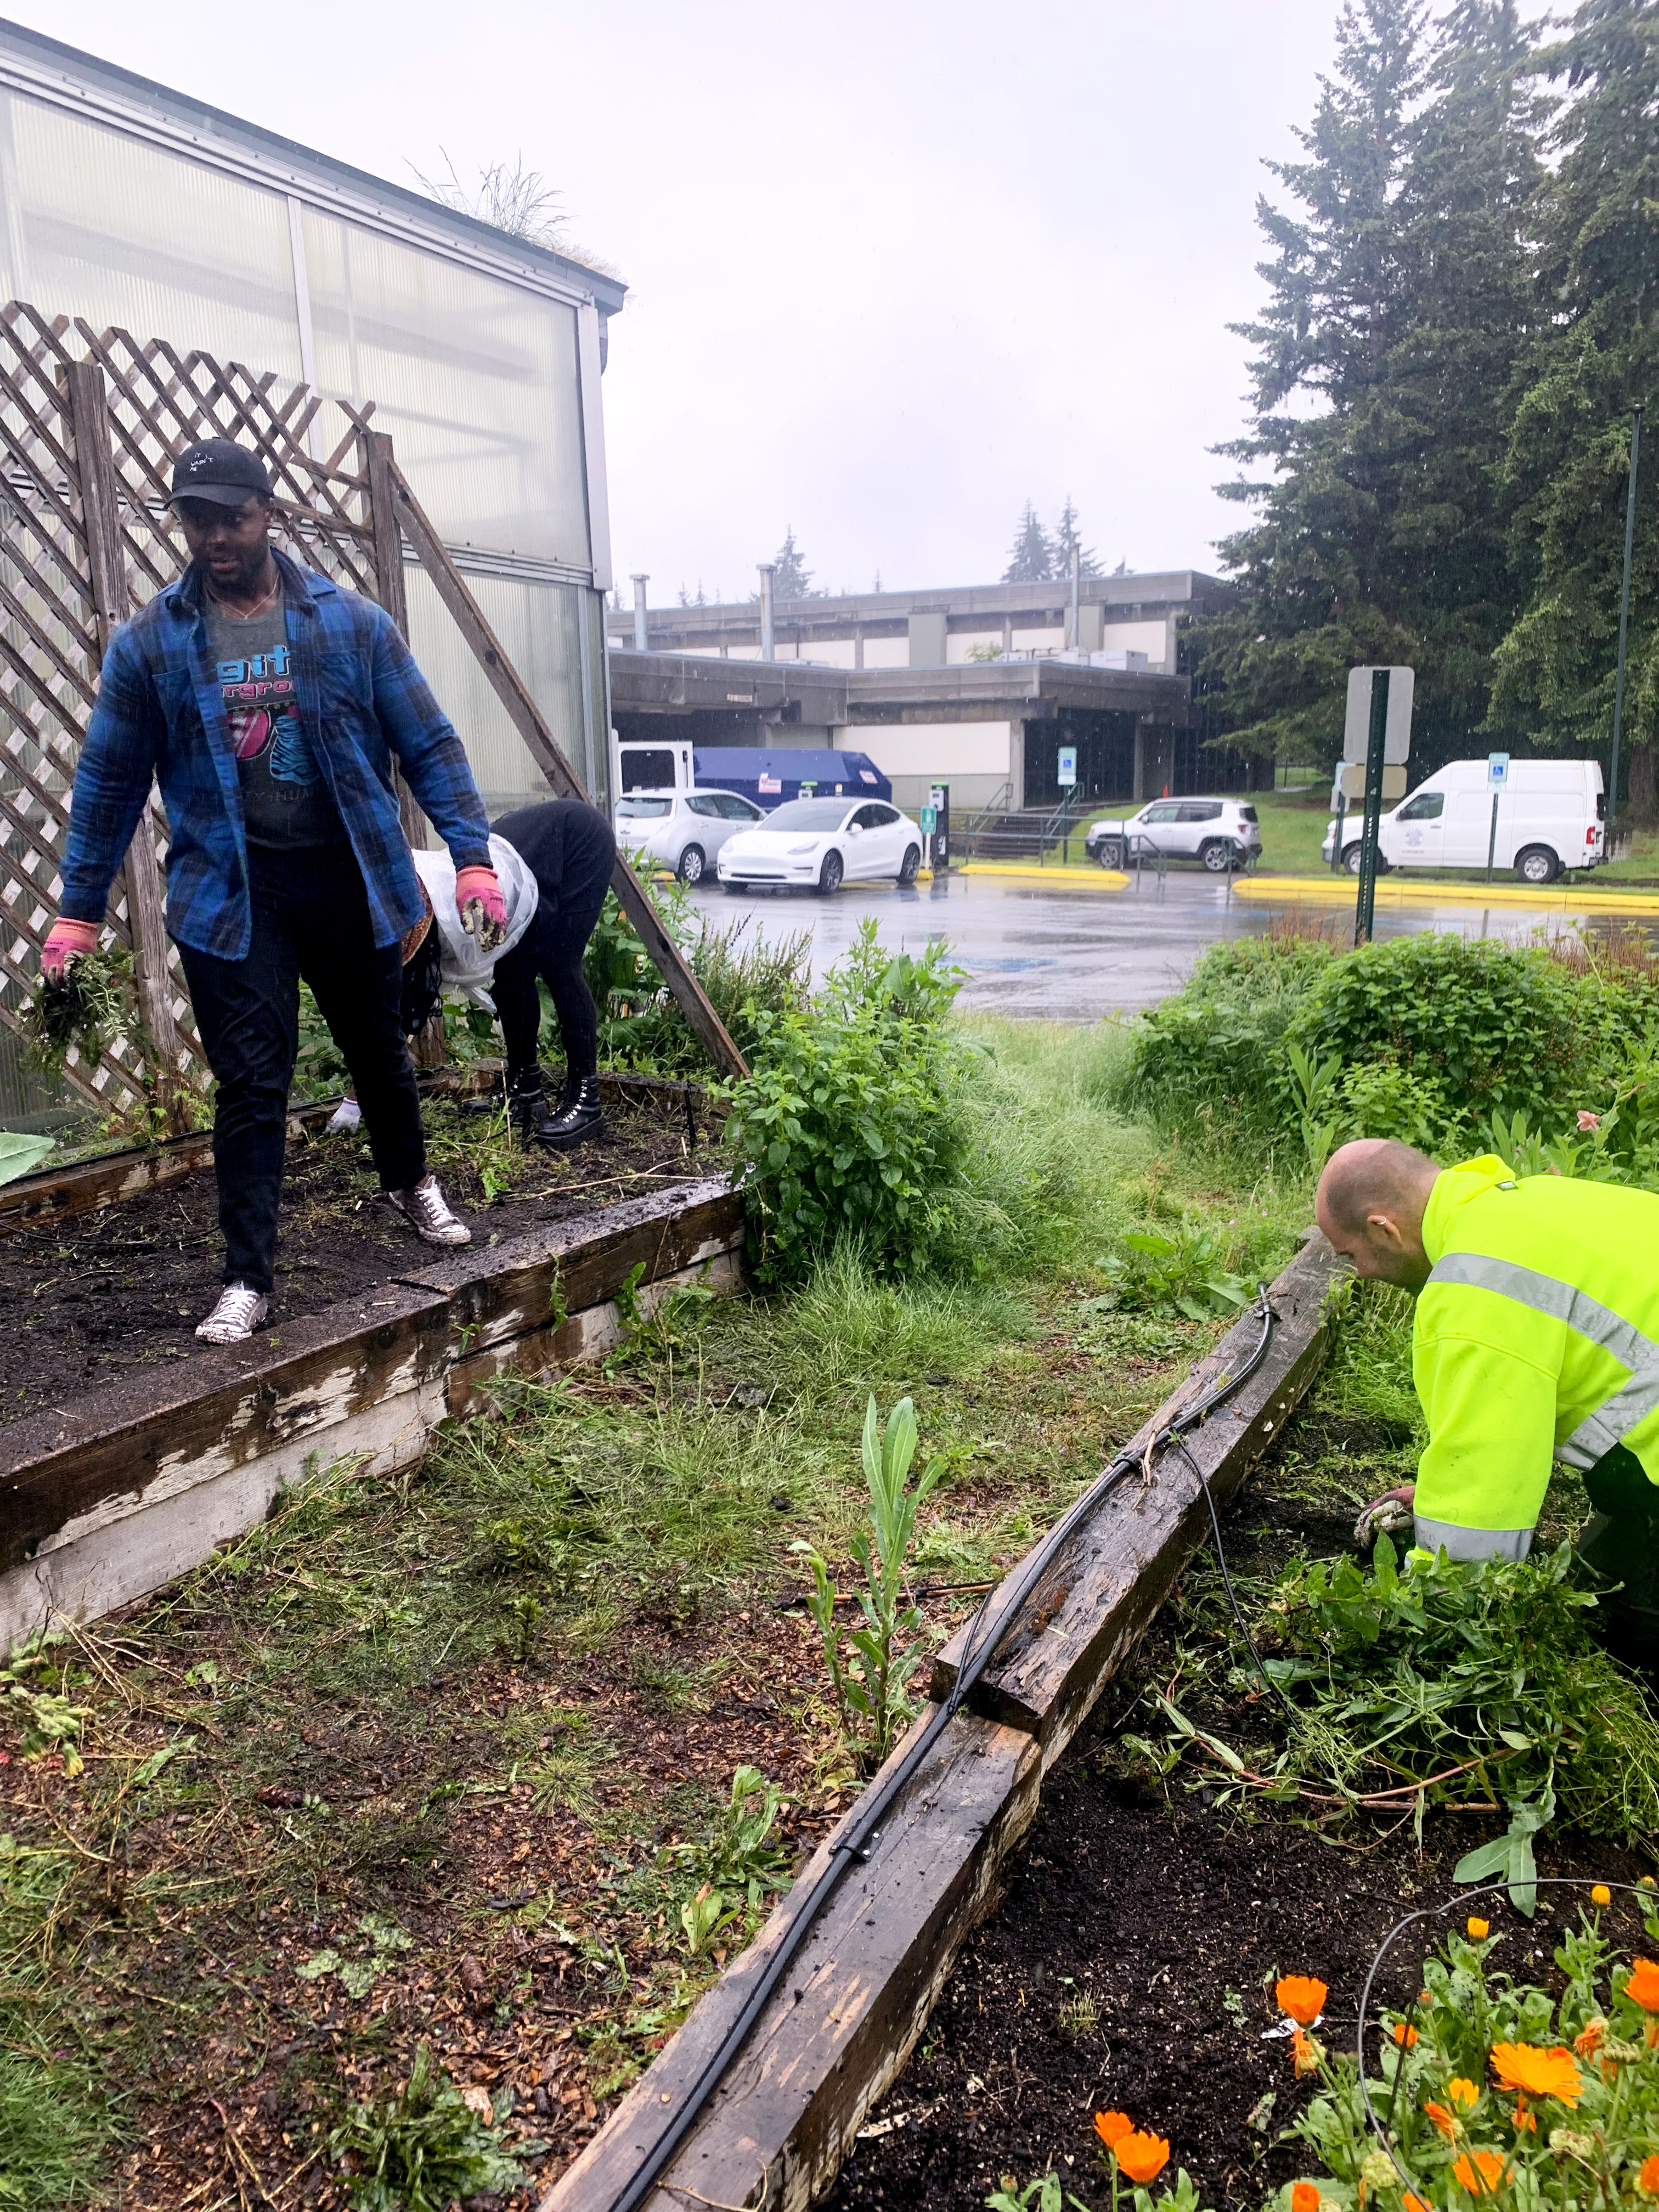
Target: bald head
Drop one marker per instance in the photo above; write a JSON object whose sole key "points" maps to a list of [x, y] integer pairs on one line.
{"points": [[1370, 1204]]}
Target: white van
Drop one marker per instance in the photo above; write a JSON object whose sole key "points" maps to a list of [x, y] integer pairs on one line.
{"points": [[1550, 816]]}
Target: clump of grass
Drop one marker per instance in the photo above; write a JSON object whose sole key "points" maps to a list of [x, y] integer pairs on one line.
{"points": [[54, 2131]]}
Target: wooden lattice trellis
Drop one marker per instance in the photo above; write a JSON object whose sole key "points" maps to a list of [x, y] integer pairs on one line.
{"points": [[90, 424]]}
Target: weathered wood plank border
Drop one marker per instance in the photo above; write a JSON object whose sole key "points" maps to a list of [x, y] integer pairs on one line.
{"points": [[114, 1493], [844, 2019]]}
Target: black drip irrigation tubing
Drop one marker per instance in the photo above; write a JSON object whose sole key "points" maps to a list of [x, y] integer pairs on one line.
{"points": [[863, 1833], [1383, 2130]]}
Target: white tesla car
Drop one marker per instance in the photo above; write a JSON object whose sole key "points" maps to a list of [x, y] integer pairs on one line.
{"points": [[817, 843], [681, 830]]}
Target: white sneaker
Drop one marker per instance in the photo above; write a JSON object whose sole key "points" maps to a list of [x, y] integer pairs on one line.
{"points": [[426, 1214], [237, 1314]]}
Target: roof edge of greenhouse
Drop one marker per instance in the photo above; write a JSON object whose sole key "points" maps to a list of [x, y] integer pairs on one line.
{"points": [[289, 164]]}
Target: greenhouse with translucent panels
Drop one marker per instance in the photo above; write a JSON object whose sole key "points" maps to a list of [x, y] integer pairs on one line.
{"points": [[130, 206]]}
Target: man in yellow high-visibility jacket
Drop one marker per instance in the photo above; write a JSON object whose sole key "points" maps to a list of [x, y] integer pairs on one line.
{"points": [[1536, 1338]]}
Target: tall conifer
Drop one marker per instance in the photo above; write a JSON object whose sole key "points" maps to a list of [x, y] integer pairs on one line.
{"points": [[1596, 352]]}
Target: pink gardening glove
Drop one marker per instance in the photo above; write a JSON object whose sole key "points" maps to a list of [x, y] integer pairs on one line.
{"points": [[479, 902], [65, 941]]}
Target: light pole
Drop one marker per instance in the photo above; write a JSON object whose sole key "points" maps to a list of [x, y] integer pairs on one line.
{"points": [[1624, 619]]}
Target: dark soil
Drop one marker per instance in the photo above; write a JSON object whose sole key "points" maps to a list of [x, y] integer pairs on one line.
{"points": [[1177, 1920], [84, 1301], [1163, 1919]]}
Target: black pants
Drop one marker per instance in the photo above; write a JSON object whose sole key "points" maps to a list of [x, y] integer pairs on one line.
{"points": [[1619, 1544], [310, 919], [569, 849]]}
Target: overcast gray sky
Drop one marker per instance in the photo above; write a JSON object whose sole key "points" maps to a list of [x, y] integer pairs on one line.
{"points": [[894, 267]]}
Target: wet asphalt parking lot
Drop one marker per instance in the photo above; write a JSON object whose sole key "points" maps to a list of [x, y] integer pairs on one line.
{"points": [[1073, 954]]}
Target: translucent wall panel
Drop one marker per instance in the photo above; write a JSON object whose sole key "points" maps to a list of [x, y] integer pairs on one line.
{"points": [[102, 225], [539, 626], [475, 379]]}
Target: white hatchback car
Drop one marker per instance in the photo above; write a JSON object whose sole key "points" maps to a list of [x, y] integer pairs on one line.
{"points": [[1223, 833], [817, 843], [683, 830]]}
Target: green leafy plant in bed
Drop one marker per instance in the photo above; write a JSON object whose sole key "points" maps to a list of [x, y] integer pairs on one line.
{"points": [[853, 1123], [1473, 1683]]}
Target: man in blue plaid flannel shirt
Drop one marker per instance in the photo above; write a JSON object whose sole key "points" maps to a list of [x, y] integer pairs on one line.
{"points": [[269, 703]]}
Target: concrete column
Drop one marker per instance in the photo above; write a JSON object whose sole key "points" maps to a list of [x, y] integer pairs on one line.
{"points": [[1007, 633], [768, 639], [642, 627], [1017, 763], [858, 645]]}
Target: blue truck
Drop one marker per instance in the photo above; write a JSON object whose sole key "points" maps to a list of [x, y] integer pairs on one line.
{"points": [[768, 774]]}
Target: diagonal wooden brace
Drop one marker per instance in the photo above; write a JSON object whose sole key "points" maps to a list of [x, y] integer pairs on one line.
{"points": [[526, 719]]}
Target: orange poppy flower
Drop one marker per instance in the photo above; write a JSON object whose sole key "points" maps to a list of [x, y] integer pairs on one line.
{"points": [[1479, 2171], [1304, 2197], [1520, 2119], [1414, 2202], [1142, 2157], [1302, 1997], [1462, 2091], [1590, 2037], [1478, 1928], [1648, 2180], [1643, 1987], [1536, 2073], [1442, 2119], [1306, 2054], [1600, 1894], [1404, 2036], [1112, 2127]]}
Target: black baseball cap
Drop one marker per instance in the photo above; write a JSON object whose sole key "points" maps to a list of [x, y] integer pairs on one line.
{"points": [[219, 470]]}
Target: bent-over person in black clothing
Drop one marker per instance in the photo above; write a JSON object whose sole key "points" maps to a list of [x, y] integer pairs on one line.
{"points": [[568, 847]]}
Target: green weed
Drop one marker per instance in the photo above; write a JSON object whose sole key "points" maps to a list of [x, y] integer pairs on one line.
{"points": [[869, 1680], [420, 2150]]}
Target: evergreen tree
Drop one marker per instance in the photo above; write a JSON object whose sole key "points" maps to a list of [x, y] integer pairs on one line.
{"points": [[1032, 560], [1405, 302], [1067, 536], [793, 580], [1567, 473], [1307, 566]]}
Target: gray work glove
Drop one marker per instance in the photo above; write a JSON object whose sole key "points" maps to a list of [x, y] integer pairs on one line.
{"points": [[1386, 1514]]}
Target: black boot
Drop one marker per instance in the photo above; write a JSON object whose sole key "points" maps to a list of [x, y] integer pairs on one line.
{"points": [[579, 1117], [528, 1106]]}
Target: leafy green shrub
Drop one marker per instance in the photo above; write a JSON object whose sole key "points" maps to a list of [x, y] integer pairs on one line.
{"points": [[1218, 1043], [420, 2150], [744, 975], [1484, 1025], [1387, 1100], [851, 1124]]}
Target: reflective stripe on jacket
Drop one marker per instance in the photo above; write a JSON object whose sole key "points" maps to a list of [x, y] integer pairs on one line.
{"points": [[1536, 1338]]}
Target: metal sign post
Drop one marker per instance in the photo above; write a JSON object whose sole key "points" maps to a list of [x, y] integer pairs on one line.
{"points": [[1497, 774], [1066, 774], [1376, 730], [1365, 907]]}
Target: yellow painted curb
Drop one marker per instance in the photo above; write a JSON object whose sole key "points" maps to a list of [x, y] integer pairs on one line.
{"points": [[1099, 879], [1339, 891]]}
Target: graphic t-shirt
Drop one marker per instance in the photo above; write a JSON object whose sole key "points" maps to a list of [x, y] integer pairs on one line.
{"points": [[285, 801]]}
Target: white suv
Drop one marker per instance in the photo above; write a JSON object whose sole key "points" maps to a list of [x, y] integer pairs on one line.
{"points": [[1221, 832], [683, 830]]}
